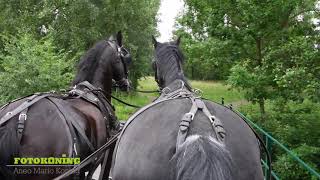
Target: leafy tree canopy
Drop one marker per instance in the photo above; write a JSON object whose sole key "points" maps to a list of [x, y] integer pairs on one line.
{"points": [[75, 25]]}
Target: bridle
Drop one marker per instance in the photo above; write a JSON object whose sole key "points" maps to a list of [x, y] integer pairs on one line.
{"points": [[125, 59]]}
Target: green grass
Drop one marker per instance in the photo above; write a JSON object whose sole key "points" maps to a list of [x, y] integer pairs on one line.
{"points": [[213, 90], [216, 90]]}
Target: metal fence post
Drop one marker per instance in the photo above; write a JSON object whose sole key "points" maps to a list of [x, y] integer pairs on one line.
{"points": [[269, 149]]}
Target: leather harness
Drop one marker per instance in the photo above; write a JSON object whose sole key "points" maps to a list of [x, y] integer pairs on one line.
{"points": [[197, 105], [83, 90]]}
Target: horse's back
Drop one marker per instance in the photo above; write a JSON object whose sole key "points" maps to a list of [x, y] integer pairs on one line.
{"points": [[44, 123], [148, 144], [8, 135], [240, 141]]}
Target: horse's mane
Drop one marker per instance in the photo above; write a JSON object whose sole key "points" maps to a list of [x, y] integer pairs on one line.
{"points": [[89, 63], [171, 60], [167, 52]]}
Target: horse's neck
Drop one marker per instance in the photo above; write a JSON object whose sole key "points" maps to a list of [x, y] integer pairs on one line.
{"points": [[177, 88], [172, 81], [106, 86]]}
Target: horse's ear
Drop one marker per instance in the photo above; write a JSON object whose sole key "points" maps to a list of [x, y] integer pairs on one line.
{"points": [[119, 38], [154, 42], [178, 41]]}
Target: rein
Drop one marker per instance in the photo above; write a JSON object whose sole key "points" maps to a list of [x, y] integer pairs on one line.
{"points": [[119, 100], [90, 158], [131, 105], [140, 91], [147, 91]]}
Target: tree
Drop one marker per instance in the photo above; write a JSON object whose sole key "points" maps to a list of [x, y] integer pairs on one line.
{"points": [[32, 66], [75, 25], [262, 40]]}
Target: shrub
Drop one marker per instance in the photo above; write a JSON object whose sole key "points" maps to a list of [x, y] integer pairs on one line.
{"points": [[29, 65]]}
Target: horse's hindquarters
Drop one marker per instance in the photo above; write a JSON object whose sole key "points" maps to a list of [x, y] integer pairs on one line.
{"points": [[44, 135], [148, 144], [241, 143]]}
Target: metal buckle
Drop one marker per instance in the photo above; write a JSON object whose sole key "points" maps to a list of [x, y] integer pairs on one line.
{"points": [[23, 116], [198, 92], [192, 115], [166, 90], [212, 119]]}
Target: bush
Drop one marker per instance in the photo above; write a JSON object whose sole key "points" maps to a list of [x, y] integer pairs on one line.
{"points": [[29, 65], [296, 125], [287, 168]]}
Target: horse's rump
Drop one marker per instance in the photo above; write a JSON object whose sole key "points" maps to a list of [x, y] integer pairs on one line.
{"points": [[45, 134], [9, 145], [148, 143]]}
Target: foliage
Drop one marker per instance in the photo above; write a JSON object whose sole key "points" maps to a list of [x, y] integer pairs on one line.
{"points": [[296, 125], [32, 66], [270, 50], [272, 43], [206, 60], [285, 163], [75, 25]]}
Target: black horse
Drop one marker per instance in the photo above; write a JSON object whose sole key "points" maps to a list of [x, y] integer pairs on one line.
{"points": [[181, 136], [73, 124]]}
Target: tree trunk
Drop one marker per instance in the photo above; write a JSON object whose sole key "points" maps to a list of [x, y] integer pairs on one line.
{"points": [[259, 49], [262, 108], [192, 72], [259, 62]]}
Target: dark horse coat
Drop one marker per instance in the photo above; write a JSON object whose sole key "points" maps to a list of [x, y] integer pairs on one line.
{"points": [[148, 144], [47, 132], [147, 149]]}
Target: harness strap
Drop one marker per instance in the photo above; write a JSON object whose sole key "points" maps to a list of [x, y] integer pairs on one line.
{"points": [[198, 104], [185, 123], [72, 119], [96, 97], [30, 101], [215, 122], [104, 163], [128, 122], [85, 95], [87, 84], [89, 159], [21, 121]]}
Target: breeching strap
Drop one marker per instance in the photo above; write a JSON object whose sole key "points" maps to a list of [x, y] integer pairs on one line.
{"points": [[89, 159], [30, 101], [198, 104]]}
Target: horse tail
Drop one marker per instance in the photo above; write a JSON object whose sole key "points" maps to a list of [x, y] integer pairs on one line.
{"points": [[201, 158]]}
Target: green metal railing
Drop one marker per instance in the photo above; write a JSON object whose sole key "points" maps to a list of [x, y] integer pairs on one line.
{"points": [[270, 141]]}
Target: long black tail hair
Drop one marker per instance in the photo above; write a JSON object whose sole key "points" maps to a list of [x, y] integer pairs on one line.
{"points": [[201, 158]]}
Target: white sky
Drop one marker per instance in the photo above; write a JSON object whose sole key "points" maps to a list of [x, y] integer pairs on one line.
{"points": [[169, 9]]}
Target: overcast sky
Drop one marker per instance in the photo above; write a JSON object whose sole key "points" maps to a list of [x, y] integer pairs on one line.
{"points": [[169, 9]]}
